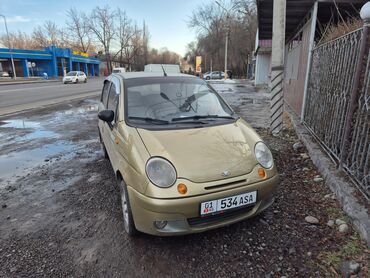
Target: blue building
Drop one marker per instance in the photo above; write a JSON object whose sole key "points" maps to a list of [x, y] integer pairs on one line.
{"points": [[52, 60]]}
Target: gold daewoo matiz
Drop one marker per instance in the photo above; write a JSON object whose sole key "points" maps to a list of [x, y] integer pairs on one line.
{"points": [[184, 161]]}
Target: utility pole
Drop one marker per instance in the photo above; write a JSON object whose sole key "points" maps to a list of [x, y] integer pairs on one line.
{"points": [[226, 41], [277, 66], [227, 30], [145, 43], [10, 46]]}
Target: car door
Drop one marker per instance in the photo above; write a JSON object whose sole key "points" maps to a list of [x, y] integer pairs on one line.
{"points": [[215, 75], [111, 128]]}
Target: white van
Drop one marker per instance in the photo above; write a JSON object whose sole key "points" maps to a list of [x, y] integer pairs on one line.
{"points": [[119, 70], [169, 68]]}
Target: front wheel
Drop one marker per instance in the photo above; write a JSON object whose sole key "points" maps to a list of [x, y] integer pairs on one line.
{"points": [[76, 80], [128, 221], [208, 78], [85, 80]]}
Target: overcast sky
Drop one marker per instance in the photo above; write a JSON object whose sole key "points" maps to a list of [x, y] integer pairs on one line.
{"points": [[166, 19]]}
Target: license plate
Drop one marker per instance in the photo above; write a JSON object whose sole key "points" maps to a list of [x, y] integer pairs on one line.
{"points": [[220, 205]]}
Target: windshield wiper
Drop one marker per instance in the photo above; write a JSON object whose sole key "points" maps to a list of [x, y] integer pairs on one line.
{"points": [[150, 120], [196, 117]]}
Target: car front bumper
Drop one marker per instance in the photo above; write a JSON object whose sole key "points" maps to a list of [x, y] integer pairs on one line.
{"points": [[183, 214], [69, 81]]}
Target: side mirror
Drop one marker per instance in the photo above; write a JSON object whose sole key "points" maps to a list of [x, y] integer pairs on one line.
{"points": [[106, 115]]}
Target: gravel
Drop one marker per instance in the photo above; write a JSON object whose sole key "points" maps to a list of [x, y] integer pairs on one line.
{"points": [[330, 223], [343, 228], [349, 268], [339, 222], [311, 220]]}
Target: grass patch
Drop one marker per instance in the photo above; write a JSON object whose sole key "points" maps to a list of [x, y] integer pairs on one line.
{"points": [[335, 213], [353, 250]]}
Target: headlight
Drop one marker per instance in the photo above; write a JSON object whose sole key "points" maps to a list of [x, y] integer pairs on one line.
{"points": [[263, 155], [160, 172]]}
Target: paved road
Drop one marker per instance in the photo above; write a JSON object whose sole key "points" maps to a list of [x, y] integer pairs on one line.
{"points": [[15, 98]]}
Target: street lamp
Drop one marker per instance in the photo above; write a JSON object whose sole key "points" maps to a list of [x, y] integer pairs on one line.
{"points": [[11, 54], [227, 32]]}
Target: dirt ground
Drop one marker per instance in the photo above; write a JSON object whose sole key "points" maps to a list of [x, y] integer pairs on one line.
{"points": [[60, 213]]}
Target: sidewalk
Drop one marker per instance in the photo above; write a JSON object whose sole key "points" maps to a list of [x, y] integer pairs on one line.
{"points": [[250, 103]]}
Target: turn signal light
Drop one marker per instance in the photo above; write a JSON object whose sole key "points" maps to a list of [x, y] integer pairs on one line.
{"points": [[181, 188], [261, 172]]}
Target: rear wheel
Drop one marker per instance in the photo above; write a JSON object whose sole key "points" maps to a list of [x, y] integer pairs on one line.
{"points": [[128, 221]]}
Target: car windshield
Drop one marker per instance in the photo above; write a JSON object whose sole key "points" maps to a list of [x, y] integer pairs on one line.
{"points": [[174, 100], [72, 73]]}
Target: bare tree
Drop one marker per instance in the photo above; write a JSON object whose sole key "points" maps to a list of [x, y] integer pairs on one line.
{"points": [[47, 34], [211, 23], [18, 40], [134, 49], [101, 23], [78, 30], [124, 34]]}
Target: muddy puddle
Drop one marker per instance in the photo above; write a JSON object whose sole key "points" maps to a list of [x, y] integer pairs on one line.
{"points": [[17, 164], [26, 144]]}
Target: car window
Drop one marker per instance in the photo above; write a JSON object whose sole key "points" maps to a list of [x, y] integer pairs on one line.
{"points": [[104, 95], [113, 99], [165, 99]]}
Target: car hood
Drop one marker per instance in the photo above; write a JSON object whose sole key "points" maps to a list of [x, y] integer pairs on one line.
{"points": [[205, 154]]}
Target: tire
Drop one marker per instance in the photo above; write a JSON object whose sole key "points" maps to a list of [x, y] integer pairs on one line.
{"points": [[208, 78], [65, 82], [76, 80], [128, 221], [85, 80]]}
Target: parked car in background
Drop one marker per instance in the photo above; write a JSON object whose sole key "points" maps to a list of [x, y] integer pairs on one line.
{"points": [[4, 74], [119, 70], [75, 77], [214, 75], [185, 162]]}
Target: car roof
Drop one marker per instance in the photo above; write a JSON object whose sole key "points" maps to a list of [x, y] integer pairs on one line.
{"points": [[143, 74]]}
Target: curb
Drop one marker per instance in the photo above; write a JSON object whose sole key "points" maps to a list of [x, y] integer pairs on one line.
{"points": [[343, 190]]}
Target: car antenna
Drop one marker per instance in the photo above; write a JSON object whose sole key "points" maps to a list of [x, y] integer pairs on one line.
{"points": [[164, 72]]}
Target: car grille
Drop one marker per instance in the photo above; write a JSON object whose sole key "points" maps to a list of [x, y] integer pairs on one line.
{"points": [[225, 184], [212, 219]]}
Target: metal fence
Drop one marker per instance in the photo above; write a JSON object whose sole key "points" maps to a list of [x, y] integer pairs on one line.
{"points": [[329, 94]]}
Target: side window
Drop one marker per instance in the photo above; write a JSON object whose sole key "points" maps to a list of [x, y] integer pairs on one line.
{"points": [[104, 95], [113, 99]]}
